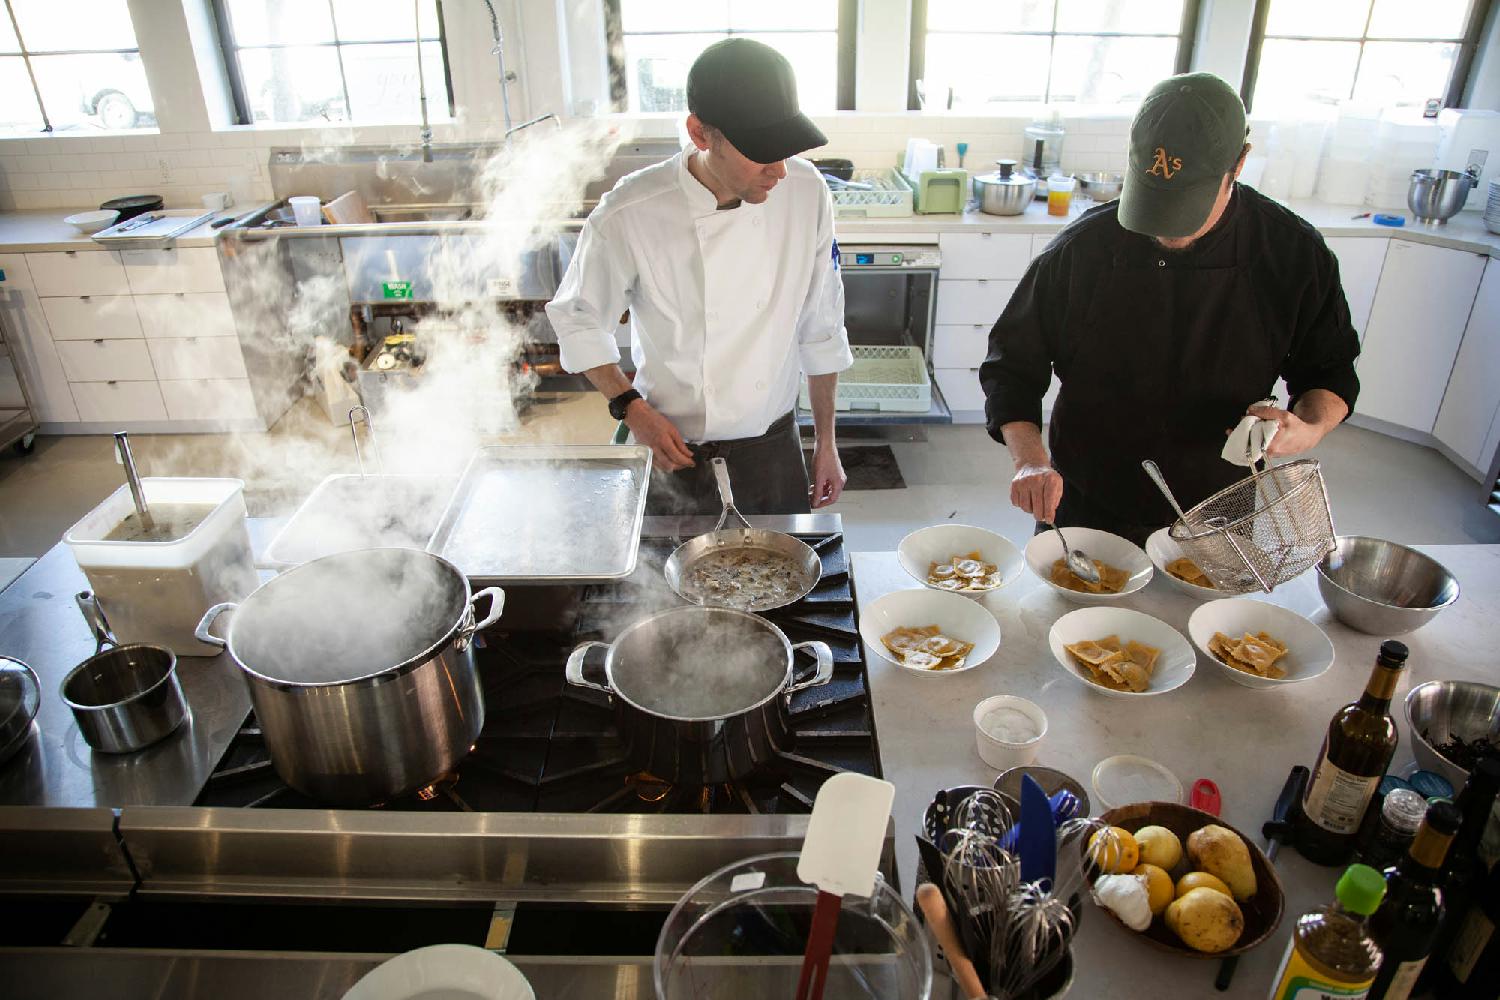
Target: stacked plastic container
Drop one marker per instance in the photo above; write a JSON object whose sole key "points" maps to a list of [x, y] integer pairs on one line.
{"points": [[1345, 176], [1404, 141]]}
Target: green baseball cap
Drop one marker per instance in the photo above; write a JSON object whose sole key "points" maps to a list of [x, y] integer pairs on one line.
{"points": [[1186, 136]]}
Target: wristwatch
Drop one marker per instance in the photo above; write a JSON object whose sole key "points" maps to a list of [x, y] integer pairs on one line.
{"points": [[621, 403]]}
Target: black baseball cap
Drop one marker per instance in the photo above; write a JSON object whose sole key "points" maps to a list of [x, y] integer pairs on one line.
{"points": [[1186, 136], [748, 91]]}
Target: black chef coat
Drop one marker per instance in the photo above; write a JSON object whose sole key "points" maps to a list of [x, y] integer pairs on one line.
{"points": [[1159, 352]]}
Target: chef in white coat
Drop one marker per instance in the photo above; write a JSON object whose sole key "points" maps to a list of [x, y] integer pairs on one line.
{"points": [[725, 257]]}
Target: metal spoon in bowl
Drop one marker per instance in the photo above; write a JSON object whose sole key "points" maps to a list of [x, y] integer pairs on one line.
{"points": [[1078, 561]]}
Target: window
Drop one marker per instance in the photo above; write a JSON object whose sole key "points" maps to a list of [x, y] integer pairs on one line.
{"points": [[1371, 51], [967, 54], [654, 42], [71, 66], [334, 60]]}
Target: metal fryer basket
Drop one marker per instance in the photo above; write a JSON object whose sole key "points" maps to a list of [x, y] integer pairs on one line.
{"points": [[1261, 531]]}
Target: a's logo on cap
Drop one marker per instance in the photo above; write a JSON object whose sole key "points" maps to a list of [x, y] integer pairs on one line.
{"points": [[1164, 166]]}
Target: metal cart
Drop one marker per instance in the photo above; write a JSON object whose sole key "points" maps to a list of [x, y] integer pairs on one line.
{"points": [[17, 424]]}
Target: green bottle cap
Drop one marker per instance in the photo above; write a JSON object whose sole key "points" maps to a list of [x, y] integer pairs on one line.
{"points": [[1360, 889]]}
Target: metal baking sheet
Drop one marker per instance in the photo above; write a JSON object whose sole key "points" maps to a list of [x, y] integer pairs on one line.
{"points": [[347, 512], [547, 514]]}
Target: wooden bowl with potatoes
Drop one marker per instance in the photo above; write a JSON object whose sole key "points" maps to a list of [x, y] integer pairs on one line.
{"points": [[1249, 879]]}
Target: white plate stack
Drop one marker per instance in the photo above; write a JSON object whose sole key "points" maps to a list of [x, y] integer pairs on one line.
{"points": [[1492, 209]]}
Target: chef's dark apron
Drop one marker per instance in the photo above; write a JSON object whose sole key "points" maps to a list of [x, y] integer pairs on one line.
{"points": [[1150, 377], [768, 473]]}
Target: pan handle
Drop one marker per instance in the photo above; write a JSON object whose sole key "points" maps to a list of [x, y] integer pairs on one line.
{"points": [[202, 634], [824, 672], [497, 607], [574, 673], [93, 613], [726, 494]]}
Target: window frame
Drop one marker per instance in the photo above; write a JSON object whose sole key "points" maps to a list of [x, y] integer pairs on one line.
{"points": [[1463, 64], [229, 54], [26, 54], [847, 29], [1187, 37]]}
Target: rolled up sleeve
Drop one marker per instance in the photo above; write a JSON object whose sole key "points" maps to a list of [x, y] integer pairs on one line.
{"points": [[1326, 345], [822, 341], [1017, 371], [586, 309]]}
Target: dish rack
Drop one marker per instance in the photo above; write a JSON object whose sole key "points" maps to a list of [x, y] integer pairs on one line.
{"points": [[885, 379], [891, 197]]}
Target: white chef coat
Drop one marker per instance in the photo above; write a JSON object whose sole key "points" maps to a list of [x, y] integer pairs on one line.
{"points": [[726, 307]]}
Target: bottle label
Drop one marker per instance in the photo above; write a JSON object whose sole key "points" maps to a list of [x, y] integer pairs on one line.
{"points": [[1404, 979], [1298, 980], [1472, 938], [1336, 800]]}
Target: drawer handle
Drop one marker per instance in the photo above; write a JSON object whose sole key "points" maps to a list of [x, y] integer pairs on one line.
{"points": [[84, 298], [71, 253], [985, 236], [98, 340], [110, 382], [182, 295]]}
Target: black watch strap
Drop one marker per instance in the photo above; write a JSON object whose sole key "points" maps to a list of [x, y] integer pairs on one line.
{"points": [[621, 403]]}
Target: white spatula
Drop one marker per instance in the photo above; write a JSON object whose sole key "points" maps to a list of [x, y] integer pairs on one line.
{"points": [[840, 855]]}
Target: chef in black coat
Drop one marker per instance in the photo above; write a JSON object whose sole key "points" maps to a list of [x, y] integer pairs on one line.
{"points": [[1167, 315]]}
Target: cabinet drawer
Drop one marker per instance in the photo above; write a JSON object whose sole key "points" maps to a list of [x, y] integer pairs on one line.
{"points": [[964, 302], [209, 399], [960, 346], [78, 272], [17, 274], [111, 317], [196, 357], [1040, 242], [106, 360], [197, 314], [191, 269], [984, 255], [960, 387], [118, 402]]}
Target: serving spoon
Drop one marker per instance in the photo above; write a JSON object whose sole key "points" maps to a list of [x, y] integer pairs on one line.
{"points": [[1077, 560]]}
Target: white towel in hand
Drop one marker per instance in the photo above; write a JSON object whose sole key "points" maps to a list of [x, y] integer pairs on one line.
{"points": [[1249, 440]]}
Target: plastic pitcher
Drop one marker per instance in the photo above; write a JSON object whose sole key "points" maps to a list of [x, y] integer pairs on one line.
{"points": [[306, 209]]}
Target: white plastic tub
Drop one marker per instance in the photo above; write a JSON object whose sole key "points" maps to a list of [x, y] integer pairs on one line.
{"points": [[156, 592]]}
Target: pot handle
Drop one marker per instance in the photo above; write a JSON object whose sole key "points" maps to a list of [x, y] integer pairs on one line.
{"points": [[824, 672], [574, 672], [93, 613], [497, 607], [203, 635]]}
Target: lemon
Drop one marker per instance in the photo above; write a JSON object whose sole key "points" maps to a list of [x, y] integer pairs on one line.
{"points": [[1201, 880], [1159, 846], [1114, 850], [1159, 890]]}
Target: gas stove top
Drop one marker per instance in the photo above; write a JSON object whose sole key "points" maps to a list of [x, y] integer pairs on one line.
{"points": [[549, 747]]}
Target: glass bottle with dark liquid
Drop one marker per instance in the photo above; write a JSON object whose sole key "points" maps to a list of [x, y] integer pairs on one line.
{"points": [[1406, 925], [1358, 748]]}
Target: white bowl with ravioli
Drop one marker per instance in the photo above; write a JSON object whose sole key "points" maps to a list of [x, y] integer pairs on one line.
{"points": [[939, 543], [956, 616], [1045, 549], [1163, 550], [1309, 653], [1174, 665]]}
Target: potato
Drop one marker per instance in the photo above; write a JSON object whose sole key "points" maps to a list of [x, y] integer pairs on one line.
{"points": [[1220, 851], [1206, 920], [1159, 846]]}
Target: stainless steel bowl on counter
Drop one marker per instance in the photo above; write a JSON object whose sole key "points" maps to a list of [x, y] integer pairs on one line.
{"points": [[1101, 185], [1447, 709], [1383, 588], [1438, 195], [1004, 192]]}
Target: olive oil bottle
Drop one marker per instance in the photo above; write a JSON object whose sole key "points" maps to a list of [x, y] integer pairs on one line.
{"points": [[1406, 925], [1331, 954], [1358, 748]]}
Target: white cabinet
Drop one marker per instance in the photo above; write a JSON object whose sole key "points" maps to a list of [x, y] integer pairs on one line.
{"points": [[197, 357], [1041, 241], [209, 399], [960, 388], [960, 346], [1416, 325], [105, 360], [190, 269], [191, 314], [78, 272], [967, 302], [93, 317], [984, 255], [1473, 397], [1360, 260], [35, 354], [118, 402]]}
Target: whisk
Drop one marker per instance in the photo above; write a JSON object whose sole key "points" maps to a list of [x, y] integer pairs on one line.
{"points": [[1030, 941]]}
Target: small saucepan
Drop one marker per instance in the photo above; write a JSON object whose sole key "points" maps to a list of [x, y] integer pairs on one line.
{"points": [[125, 698], [748, 568]]}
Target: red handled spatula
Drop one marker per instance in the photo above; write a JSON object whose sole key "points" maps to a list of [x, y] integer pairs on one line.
{"points": [[840, 855]]}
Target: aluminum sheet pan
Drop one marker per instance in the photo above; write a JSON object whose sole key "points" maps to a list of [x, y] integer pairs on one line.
{"points": [[547, 514], [347, 512]]}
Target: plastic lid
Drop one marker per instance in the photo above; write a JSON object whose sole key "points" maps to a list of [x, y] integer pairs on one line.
{"points": [[1403, 810], [1393, 653], [1360, 889], [1444, 817], [1430, 785], [1127, 778]]}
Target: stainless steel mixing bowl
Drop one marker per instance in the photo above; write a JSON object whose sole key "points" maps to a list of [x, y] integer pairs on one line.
{"points": [[1438, 195], [1383, 588], [1446, 709], [1101, 185]]}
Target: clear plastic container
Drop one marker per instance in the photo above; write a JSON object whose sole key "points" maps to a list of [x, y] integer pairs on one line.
{"points": [[740, 933], [157, 591], [306, 209], [1060, 194]]}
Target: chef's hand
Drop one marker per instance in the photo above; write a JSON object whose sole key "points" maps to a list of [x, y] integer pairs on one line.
{"points": [[1293, 436], [827, 476], [1037, 489], [659, 434]]}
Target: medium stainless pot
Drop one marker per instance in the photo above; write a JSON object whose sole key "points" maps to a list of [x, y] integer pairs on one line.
{"points": [[124, 698], [1004, 192], [1438, 195], [360, 670], [702, 695]]}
